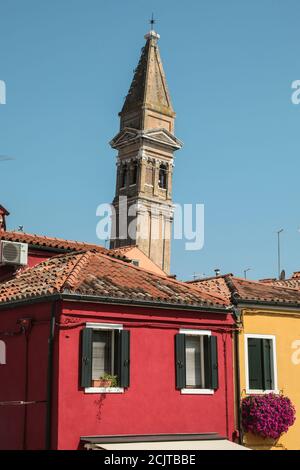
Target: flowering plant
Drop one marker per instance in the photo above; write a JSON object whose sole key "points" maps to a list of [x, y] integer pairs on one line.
{"points": [[267, 415]]}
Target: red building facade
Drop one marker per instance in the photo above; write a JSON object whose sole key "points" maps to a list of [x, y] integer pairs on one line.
{"points": [[66, 321]]}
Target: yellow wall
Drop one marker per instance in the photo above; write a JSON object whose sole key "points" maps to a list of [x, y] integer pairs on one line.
{"points": [[285, 326]]}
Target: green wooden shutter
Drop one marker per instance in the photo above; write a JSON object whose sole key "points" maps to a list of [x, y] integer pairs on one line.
{"points": [[268, 366], [211, 362], [214, 362], [255, 364], [124, 358], [180, 361], [86, 357]]}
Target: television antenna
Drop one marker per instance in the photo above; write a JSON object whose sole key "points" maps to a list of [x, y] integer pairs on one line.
{"points": [[278, 250], [245, 272]]}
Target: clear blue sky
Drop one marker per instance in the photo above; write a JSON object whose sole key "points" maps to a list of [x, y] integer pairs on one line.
{"points": [[68, 64]]}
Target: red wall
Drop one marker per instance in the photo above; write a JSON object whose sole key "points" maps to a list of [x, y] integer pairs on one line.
{"points": [[36, 256], [17, 421], [151, 404]]}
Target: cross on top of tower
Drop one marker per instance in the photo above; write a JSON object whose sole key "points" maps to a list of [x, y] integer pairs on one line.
{"points": [[152, 22], [152, 33]]}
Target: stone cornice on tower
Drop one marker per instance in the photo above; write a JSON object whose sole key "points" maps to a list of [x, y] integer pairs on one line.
{"points": [[159, 136]]}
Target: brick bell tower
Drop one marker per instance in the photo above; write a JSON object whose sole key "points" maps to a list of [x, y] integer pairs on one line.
{"points": [[146, 144]]}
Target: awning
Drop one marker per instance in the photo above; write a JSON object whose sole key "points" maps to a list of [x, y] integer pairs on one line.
{"points": [[209, 441]]}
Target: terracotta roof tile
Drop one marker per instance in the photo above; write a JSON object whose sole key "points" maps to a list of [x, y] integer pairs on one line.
{"points": [[94, 273], [214, 285], [55, 243], [292, 283], [238, 289]]}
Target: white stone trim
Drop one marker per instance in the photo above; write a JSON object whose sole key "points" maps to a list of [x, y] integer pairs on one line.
{"points": [[104, 326], [186, 331], [259, 336], [197, 391], [104, 390]]}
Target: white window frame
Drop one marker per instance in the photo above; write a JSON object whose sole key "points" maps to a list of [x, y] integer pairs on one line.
{"points": [[196, 391], [2, 353], [106, 327], [273, 339]]}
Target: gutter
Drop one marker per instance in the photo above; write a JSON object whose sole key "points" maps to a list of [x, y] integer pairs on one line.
{"points": [[50, 378], [115, 301], [272, 304], [237, 314], [51, 248], [145, 303]]}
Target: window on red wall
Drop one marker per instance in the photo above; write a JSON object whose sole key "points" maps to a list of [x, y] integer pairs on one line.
{"points": [[105, 352], [196, 361]]}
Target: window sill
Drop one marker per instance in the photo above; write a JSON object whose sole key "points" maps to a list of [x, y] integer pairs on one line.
{"points": [[262, 392], [104, 390], [197, 391]]}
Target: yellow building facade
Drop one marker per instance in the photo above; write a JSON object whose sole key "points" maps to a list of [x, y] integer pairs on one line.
{"points": [[282, 327], [267, 352]]}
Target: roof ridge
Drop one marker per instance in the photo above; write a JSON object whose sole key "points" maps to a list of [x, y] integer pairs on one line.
{"points": [[253, 281], [20, 234], [71, 277], [210, 278]]}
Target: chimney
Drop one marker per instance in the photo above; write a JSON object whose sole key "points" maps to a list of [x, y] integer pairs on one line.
{"points": [[3, 214]]}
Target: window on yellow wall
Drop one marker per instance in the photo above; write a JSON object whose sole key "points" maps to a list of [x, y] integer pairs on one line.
{"points": [[260, 363]]}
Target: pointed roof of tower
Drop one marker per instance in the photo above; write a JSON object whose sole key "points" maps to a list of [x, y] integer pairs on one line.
{"points": [[149, 86]]}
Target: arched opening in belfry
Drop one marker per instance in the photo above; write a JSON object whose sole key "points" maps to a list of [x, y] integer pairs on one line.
{"points": [[134, 173], [124, 170], [162, 180]]}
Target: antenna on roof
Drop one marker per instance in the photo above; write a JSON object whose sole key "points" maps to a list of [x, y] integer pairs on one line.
{"points": [[245, 272], [195, 275], [278, 250]]}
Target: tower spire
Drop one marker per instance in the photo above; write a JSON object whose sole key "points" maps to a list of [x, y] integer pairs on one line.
{"points": [[148, 91]]}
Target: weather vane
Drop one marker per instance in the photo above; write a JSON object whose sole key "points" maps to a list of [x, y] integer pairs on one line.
{"points": [[152, 22]]}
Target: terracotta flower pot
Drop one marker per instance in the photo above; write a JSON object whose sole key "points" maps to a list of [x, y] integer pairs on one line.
{"points": [[102, 383]]}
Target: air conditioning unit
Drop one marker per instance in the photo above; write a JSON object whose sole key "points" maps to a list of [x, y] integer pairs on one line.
{"points": [[13, 253]]}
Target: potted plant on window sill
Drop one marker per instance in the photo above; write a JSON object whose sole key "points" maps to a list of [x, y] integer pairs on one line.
{"points": [[106, 381]]}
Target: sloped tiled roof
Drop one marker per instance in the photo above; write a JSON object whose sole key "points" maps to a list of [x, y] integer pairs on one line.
{"points": [[54, 243], [293, 282], [214, 285], [238, 289], [95, 274]]}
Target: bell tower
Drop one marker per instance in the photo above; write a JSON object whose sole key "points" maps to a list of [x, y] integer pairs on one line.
{"points": [[146, 144]]}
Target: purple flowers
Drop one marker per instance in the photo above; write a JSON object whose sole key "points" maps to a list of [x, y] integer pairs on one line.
{"points": [[267, 415]]}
